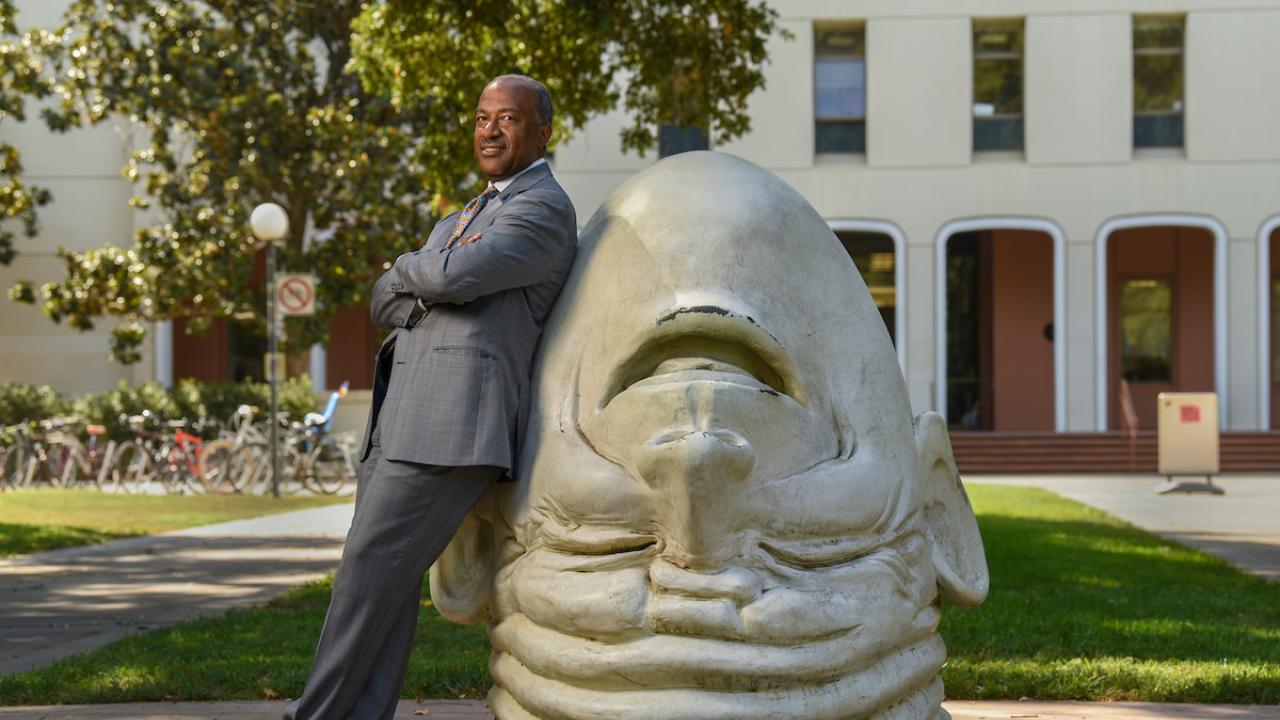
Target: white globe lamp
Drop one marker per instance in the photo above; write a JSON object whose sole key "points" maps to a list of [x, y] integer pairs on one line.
{"points": [[269, 222]]}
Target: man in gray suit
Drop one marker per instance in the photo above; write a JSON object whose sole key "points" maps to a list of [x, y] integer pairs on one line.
{"points": [[451, 391]]}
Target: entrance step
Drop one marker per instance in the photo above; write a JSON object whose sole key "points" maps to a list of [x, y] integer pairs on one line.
{"points": [[1050, 452]]}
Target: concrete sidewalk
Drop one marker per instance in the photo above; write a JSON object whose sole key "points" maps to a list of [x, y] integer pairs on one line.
{"points": [[64, 602], [476, 710], [1242, 526]]}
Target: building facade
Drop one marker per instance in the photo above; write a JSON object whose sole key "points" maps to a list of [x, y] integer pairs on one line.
{"points": [[1072, 193], [1046, 198]]}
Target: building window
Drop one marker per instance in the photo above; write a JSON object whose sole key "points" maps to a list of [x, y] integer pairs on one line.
{"points": [[997, 84], [1146, 330], [675, 139], [840, 89], [1157, 81]]}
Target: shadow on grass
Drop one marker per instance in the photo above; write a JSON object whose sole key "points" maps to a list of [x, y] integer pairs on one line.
{"points": [[26, 539], [256, 654]]}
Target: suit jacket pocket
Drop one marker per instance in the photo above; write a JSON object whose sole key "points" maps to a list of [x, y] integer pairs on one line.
{"points": [[451, 388], [462, 351]]}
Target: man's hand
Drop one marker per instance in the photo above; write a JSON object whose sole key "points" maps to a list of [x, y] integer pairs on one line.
{"points": [[389, 305], [471, 239]]}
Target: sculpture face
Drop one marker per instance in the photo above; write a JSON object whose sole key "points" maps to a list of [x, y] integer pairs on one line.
{"points": [[724, 509]]}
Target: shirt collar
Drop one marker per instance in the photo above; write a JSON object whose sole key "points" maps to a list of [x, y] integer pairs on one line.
{"points": [[504, 183]]}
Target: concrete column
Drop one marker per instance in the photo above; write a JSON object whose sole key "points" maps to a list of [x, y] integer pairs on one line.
{"points": [[318, 367], [1242, 335], [1079, 335], [162, 338]]}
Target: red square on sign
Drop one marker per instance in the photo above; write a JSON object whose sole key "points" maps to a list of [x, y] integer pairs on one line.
{"points": [[1190, 413]]}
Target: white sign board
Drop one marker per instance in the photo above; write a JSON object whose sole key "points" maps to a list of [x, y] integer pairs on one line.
{"points": [[296, 294], [1187, 433]]}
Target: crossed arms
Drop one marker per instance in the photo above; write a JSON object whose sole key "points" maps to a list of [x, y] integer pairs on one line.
{"points": [[520, 248]]}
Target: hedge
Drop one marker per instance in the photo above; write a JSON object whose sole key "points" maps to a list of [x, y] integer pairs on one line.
{"points": [[190, 399]]}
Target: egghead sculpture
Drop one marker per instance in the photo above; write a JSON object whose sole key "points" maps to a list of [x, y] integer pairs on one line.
{"points": [[724, 509]]}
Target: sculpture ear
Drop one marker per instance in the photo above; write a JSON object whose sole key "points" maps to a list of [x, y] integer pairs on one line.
{"points": [[954, 540], [462, 577]]}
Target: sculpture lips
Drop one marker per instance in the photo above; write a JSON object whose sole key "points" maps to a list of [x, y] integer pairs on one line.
{"points": [[710, 343]]}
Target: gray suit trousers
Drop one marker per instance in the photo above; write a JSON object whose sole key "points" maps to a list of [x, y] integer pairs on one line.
{"points": [[406, 514]]}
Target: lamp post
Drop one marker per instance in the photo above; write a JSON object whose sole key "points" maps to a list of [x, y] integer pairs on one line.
{"points": [[270, 224]]}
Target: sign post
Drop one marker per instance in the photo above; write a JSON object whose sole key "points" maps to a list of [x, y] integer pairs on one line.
{"points": [[270, 224]]}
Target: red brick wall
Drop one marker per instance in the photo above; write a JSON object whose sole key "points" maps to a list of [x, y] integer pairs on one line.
{"points": [[1021, 306]]}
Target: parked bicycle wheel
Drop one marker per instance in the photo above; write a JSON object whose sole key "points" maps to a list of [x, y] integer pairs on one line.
{"points": [[53, 464], [225, 466], [4, 468], [171, 468], [325, 469], [291, 470], [130, 468]]}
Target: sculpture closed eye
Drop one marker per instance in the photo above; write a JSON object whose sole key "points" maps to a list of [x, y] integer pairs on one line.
{"points": [[722, 491]]}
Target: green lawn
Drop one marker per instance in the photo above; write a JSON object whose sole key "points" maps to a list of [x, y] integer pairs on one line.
{"points": [[1086, 607], [1083, 607], [32, 520]]}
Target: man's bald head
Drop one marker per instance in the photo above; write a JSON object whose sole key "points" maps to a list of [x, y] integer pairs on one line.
{"points": [[543, 96]]}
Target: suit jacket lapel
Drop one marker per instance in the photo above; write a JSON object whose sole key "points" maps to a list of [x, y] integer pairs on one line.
{"points": [[485, 217], [517, 186], [520, 184], [441, 231]]}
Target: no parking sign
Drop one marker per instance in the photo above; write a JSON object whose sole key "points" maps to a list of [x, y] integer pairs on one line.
{"points": [[296, 293]]}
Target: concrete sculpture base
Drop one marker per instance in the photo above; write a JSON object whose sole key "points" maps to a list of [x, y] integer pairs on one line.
{"points": [[724, 509]]}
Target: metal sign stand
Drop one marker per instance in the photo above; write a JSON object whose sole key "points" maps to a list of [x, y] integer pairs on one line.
{"points": [[1169, 485]]}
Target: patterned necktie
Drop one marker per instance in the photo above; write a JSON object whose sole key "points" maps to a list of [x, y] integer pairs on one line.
{"points": [[469, 212]]}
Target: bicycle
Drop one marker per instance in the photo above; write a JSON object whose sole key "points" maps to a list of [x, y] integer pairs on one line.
{"points": [[229, 463], [172, 459], [89, 461], [14, 445], [131, 467], [329, 460], [46, 453]]}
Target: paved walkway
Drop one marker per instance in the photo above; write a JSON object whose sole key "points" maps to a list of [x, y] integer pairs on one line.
{"points": [[475, 710], [1242, 526], [63, 602]]}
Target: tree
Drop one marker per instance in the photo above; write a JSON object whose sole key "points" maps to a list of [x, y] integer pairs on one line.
{"points": [[682, 63], [20, 78], [248, 101]]}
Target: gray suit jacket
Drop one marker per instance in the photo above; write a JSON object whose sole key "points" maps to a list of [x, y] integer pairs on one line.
{"points": [[456, 386]]}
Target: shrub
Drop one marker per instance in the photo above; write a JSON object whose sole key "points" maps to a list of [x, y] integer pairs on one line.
{"points": [[220, 400], [21, 403], [106, 408], [189, 399]]}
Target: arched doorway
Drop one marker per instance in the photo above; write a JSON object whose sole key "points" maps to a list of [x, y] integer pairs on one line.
{"points": [[1270, 271], [877, 250], [999, 312], [1160, 307]]}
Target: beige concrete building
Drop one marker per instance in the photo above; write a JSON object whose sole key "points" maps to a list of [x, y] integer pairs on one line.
{"points": [[1116, 195], [1046, 196]]}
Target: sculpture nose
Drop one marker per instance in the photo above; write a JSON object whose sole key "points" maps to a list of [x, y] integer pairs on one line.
{"points": [[698, 474]]}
